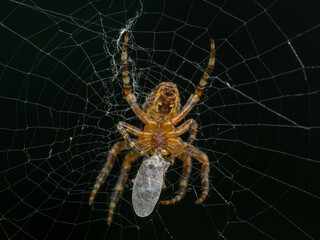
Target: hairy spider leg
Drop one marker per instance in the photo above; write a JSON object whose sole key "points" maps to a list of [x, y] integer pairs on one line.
{"points": [[124, 128], [201, 157], [189, 124], [186, 159], [194, 98], [117, 147], [125, 169], [130, 97]]}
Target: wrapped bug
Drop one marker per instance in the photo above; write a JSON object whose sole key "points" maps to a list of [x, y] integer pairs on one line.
{"points": [[148, 184]]}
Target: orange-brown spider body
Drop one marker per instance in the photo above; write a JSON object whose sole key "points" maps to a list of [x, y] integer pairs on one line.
{"points": [[160, 113], [159, 134]]}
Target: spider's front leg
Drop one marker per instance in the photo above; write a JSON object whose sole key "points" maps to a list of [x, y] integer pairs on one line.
{"points": [[125, 169], [186, 159], [203, 158], [118, 147]]}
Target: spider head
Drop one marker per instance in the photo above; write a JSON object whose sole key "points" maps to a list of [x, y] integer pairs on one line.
{"points": [[167, 101]]}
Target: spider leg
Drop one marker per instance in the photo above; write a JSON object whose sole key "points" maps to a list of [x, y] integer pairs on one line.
{"points": [[131, 99], [124, 128], [131, 129], [125, 169], [117, 147], [186, 159], [190, 124], [203, 158], [194, 98]]}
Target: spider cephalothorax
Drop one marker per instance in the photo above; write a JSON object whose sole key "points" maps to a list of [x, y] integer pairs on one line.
{"points": [[159, 139]]}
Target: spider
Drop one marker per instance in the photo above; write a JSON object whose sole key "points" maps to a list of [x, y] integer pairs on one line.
{"points": [[160, 113]]}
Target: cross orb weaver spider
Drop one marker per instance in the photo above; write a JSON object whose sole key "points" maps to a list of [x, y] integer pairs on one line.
{"points": [[160, 113]]}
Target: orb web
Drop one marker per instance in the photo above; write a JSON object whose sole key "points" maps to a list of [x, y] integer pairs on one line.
{"points": [[61, 97]]}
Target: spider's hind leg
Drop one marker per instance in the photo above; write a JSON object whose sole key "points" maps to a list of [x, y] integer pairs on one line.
{"points": [[186, 159], [130, 97], [194, 98]]}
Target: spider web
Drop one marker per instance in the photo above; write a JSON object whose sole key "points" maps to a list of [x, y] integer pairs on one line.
{"points": [[61, 97]]}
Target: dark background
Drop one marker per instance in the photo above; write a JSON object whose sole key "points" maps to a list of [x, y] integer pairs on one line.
{"points": [[61, 98]]}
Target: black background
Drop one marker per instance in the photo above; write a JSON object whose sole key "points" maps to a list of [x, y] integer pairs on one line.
{"points": [[61, 99]]}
